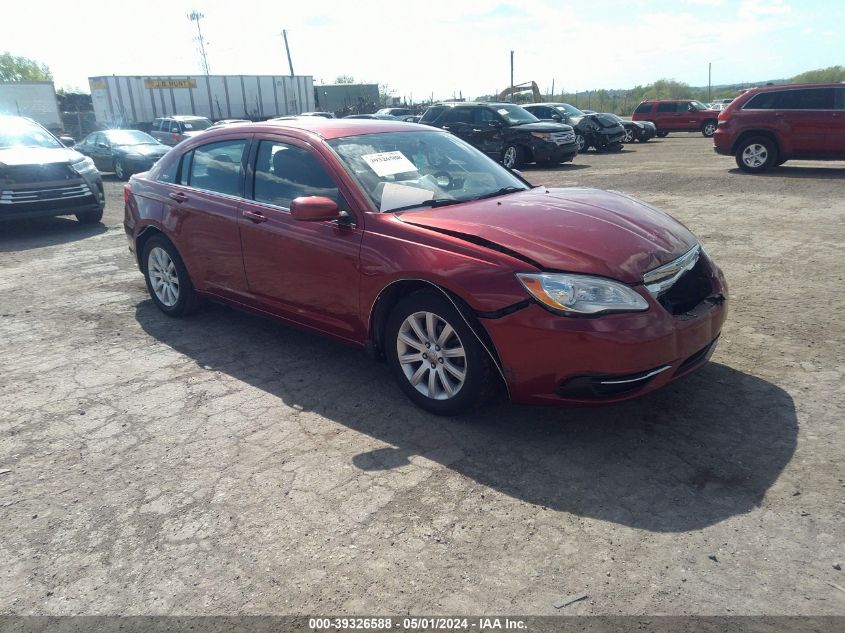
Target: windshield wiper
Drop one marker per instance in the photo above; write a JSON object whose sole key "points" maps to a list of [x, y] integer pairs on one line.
{"points": [[437, 202], [500, 192]]}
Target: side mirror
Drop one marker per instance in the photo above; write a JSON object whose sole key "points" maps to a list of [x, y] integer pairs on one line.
{"points": [[102, 145], [314, 209], [557, 118], [495, 123], [67, 141]]}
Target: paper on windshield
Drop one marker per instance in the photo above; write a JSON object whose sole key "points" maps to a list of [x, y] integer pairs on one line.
{"points": [[394, 196], [388, 163], [502, 111]]}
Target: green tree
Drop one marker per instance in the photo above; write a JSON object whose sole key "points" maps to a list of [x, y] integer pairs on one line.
{"points": [[385, 94], [14, 68], [822, 75], [344, 79]]}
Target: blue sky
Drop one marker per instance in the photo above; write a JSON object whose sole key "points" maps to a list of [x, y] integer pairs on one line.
{"points": [[437, 47]]}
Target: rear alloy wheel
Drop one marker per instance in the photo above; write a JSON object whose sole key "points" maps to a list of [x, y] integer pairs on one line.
{"points": [[582, 142], [629, 135], [435, 356], [167, 278], [513, 157], [756, 155], [709, 128]]}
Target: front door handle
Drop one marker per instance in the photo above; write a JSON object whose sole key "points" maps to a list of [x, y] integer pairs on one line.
{"points": [[255, 216], [178, 196]]}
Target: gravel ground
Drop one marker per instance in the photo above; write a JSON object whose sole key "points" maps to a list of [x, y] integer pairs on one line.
{"points": [[225, 464]]}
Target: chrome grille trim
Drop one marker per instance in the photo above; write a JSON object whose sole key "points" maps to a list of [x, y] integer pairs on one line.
{"points": [[660, 279], [22, 196]]}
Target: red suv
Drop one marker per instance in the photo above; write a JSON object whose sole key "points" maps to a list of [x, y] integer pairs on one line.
{"points": [[765, 127], [677, 115]]}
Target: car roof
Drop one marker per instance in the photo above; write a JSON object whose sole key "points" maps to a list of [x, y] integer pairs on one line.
{"points": [[325, 128], [466, 104], [184, 117], [794, 86]]}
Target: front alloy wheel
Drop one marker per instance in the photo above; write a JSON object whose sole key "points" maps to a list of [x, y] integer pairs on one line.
{"points": [[432, 356], [582, 142], [512, 157], [435, 356], [629, 135], [120, 170], [708, 129]]}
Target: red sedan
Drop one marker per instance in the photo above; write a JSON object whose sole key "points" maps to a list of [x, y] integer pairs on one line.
{"points": [[409, 242]]}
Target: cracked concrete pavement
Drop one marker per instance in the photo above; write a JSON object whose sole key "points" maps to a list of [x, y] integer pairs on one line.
{"points": [[226, 464]]}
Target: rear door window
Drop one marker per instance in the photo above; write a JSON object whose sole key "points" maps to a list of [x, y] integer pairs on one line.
{"points": [[432, 114], [839, 98], [460, 115], [667, 106], [218, 167], [814, 99], [643, 107]]}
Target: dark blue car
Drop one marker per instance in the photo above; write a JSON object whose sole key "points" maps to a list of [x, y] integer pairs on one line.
{"points": [[124, 152]]}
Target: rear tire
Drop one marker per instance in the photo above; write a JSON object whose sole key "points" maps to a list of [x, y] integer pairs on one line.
{"points": [[435, 356], [90, 217], [167, 278], [756, 155]]}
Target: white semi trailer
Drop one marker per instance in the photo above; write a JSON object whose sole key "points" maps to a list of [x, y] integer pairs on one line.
{"points": [[130, 101], [33, 99]]}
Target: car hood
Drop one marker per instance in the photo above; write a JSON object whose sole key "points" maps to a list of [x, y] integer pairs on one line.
{"points": [[38, 156], [543, 126], [144, 150], [586, 231]]}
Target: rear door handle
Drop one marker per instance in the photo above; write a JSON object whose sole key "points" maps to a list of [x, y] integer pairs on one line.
{"points": [[255, 216], [178, 196]]}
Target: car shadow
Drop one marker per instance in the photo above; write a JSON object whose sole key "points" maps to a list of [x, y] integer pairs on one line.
{"points": [[23, 235], [791, 171], [691, 455]]}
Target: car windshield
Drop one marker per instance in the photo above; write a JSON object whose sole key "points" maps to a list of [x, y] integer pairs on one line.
{"points": [[130, 137], [196, 124], [568, 110], [406, 170], [514, 114], [15, 132]]}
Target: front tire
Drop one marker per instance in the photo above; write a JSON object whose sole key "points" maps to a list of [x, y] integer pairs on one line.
{"points": [[582, 143], [662, 134], [167, 278], [708, 128], [120, 170], [435, 356], [756, 155], [513, 157]]}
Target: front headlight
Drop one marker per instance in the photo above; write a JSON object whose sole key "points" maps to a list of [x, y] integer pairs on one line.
{"points": [[580, 294], [84, 166]]}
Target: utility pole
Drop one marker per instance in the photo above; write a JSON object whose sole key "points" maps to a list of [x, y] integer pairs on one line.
{"points": [[709, 75], [196, 16], [553, 88], [287, 50], [511, 94]]}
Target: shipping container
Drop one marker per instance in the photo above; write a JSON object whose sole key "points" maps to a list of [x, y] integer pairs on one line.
{"points": [[33, 99], [124, 101]]}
